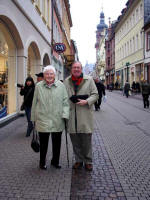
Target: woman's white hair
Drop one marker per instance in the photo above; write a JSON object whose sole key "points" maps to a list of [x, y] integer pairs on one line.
{"points": [[49, 67]]}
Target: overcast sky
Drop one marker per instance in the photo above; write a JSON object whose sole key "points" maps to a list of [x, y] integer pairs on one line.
{"points": [[85, 17]]}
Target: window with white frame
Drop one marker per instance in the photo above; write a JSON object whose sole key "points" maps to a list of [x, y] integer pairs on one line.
{"points": [[137, 15], [148, 40], [127, 26], [127, 48], [130, 46], [122, 52], [130, 22], [133, 44], [141, 10], [133, 19], [137, 42], [141, 38]]}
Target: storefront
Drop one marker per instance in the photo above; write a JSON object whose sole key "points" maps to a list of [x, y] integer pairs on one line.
{"points": [[24, 50], [7, 72], [147, 72], [139, 76], [132, 72]]}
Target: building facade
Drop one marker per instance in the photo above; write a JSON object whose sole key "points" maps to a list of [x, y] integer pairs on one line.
{"points": [[26, 46], [110, 55], [147, 51], [129, 50]]}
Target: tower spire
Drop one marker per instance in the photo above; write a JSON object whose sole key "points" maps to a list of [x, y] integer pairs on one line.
{"points": [[102, 6]]}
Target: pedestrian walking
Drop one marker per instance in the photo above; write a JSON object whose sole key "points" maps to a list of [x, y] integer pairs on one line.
{"points": [[111, 86], [127, 88], [83, 94], [101, 91], [50, 109], [145, 93], [28, 91]]}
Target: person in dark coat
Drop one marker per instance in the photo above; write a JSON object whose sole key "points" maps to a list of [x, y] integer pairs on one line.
{"points": [[127, 88], [145, 93], [101, 91], [28, 92], [40, 77], [134, 86], [138, 89]]}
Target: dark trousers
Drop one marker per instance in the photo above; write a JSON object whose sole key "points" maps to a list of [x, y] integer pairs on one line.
{"points": [[126, 93], [28, 115], [56, 144], [98, 103], [145, 100]]}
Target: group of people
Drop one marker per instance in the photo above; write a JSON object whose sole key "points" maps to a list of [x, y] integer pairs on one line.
{"points": [[54, 104], [144, 88]]}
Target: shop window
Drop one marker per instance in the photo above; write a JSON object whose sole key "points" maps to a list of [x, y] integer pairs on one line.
{"points": [[7, 73]]}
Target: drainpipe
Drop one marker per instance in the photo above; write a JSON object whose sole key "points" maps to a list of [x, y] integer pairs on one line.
{"points": [[52, 22]]}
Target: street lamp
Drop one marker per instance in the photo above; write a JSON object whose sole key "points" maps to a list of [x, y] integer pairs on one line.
{"points": [[127, 65]]}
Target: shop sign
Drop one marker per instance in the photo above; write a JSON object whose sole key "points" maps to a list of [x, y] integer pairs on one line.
{"points": [[59, 47]]}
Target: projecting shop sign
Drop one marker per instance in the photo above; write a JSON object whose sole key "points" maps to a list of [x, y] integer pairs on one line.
{"points": [[59, 47]]}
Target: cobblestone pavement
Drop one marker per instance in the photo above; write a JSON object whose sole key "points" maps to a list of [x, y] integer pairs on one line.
{"points": [[125, 129], [100, 184], [121, 156], [20, 176]]}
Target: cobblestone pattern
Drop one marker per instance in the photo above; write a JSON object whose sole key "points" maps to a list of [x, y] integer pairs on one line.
{"points": [[128, 145], [100, 184], [20, 176]]}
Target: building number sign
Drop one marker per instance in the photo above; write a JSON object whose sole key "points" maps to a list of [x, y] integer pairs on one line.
{"points": [[59, 47]]}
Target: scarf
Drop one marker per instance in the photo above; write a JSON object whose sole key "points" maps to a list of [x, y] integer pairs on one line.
{"points": [[76, 81]]}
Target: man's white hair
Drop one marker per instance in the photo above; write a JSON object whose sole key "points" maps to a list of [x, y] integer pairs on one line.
{"points": [[49, 67]]}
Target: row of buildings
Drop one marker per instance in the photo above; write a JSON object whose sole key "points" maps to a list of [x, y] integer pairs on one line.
{"points": [[28, 31], [123, 47]]}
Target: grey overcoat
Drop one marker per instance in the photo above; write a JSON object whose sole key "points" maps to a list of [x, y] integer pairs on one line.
{"points": [[84, 113]]}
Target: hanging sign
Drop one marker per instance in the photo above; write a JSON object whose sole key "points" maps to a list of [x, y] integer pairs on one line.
{"points": [[59, 47]]}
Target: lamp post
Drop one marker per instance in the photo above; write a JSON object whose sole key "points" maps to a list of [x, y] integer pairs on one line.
{"points": [[127, 65]]}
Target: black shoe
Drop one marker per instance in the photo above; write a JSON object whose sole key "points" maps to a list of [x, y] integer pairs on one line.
{"points": [[57, 166], [43, 167], [77, 165]]}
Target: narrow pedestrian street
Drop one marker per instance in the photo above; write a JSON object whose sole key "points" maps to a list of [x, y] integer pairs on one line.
{"points": [[121, 149]]}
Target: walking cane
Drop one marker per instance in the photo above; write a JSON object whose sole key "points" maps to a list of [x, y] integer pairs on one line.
{"points": [[66, 142]]}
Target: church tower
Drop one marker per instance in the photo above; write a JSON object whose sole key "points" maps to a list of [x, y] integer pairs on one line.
{"points": [[101, 29], [101, 33]]}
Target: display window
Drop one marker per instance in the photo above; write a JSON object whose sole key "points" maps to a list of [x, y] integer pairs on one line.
{"points": [[7, 73]]}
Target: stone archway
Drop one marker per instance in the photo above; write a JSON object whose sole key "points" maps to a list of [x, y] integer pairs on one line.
{"points": [[10, 42], [33, 61]]}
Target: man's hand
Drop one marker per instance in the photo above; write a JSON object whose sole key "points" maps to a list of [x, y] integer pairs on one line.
{"points": [[82, 102]]}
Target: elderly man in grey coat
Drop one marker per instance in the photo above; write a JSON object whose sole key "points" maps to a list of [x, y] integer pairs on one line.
{"points": [[83, 94]]}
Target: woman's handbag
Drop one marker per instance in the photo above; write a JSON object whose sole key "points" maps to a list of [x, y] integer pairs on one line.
{"points": [[22, 107], [35, 144]]}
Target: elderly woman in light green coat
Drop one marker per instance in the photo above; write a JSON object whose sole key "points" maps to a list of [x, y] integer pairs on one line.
{"points": [[50, 108], [83, 94]]}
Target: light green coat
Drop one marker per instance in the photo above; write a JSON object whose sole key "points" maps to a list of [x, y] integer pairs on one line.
{"points": [[49, 107], [84, 113]]}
